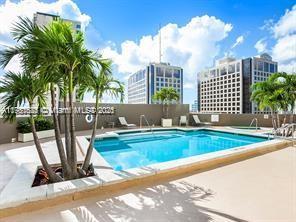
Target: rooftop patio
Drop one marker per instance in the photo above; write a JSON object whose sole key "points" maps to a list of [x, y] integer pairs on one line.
{"points": [[265, 192]]}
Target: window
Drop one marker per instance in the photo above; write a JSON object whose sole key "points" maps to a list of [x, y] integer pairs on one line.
{"points": [[260, 65], [231, 69], [266, 67], [168, 73], [176, 73], [223, 71], [159, 71], [238, 67]]}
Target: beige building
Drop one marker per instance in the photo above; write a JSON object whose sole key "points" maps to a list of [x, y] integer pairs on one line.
{"points": [[225, 88]]}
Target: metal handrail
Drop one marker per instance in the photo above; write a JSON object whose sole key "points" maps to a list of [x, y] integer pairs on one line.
{"points": [[256, 121], [144, 117]]}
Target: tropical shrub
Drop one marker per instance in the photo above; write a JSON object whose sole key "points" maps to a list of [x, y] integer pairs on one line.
{"points": [[24, 126], [166, 96]]}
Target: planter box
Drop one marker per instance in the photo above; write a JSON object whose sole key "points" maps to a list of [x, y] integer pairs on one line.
{"points": [[166, 122], [25, 137]]}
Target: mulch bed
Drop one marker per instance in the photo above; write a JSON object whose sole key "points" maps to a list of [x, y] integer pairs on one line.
{"points": [[41, 177]]}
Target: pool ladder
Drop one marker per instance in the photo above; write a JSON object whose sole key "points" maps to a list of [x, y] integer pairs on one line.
{"points": [[256, 123], [141, 123]]}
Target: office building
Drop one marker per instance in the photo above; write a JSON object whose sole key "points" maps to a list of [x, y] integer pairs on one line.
{"points": [[143, 84], [225, 88]]}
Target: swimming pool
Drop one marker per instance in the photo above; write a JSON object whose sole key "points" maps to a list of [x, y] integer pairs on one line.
{"points": [[131, 150]]}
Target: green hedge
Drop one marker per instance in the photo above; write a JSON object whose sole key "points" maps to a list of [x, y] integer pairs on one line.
{"points": [[41, 123]]}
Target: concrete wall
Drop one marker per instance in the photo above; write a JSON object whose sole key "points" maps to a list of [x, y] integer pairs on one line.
{"points": [[132, 113], [7, 131], [237, 119]]}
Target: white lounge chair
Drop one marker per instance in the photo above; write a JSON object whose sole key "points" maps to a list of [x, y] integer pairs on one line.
{"points": [[198, 122], [183, 120], [123, 122]]}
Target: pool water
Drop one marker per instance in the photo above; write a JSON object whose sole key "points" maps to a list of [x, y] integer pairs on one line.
{"points": [[142, 149]]}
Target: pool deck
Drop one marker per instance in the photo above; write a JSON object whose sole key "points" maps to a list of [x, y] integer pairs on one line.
{"points": [[12, 155], [258, 189]]}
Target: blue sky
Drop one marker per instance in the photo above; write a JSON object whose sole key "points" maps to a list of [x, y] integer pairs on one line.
{"points": [[199, 31]]}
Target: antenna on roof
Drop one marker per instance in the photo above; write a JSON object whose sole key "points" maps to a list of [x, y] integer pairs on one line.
{"points": [[160, 43]]}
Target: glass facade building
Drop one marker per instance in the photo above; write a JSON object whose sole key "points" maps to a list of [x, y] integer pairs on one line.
{"points": [[225, 88], [143, 84]]}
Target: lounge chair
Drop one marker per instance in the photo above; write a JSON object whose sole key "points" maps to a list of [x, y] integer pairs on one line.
{"points": [[198, 122], [123, 122], [183, 120]]}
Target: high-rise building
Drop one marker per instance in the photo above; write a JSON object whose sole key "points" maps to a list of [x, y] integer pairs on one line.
{"points": [[143, 84], [225, 88], [44, 19]]}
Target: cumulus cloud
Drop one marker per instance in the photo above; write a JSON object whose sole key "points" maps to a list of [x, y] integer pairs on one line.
{"points": [[286, 25], [284, 50], [238, 41], [10, 10], [261, 45], [192, 46]]}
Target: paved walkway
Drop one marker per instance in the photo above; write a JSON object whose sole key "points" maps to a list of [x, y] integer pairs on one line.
{"points": [[258, 189]]}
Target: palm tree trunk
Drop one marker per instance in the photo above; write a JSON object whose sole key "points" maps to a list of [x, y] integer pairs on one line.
{"points": [[93, 136], [292, 114], [167, 110], [67, 131], [59, 142], [53, 177], [73, 162], [278, 120], [272, 120]]}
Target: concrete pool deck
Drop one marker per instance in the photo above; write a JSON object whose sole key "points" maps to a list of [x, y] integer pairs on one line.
{"points": [[262, 188], [80, 186]]}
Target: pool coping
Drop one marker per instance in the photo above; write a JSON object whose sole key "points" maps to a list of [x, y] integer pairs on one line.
{"points": [[27, 198]]}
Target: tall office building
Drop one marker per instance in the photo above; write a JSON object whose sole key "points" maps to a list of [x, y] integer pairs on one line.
{"points": [[143, 84], [43, 19], [225, 88]]}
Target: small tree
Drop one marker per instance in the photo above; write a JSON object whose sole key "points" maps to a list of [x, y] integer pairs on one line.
{"points": [[99, 84], [166, 96], [276, 93]]}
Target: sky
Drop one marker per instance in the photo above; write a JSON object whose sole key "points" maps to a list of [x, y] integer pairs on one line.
{"points": [[194, 33]]}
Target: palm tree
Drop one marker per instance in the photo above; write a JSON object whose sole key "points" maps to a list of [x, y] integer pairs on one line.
{"points": [[276, 93], [166, 96], [20, 88], [58, 54], [99, 84]]}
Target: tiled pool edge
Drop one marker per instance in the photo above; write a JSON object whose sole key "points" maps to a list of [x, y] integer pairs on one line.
{"points": [[108, 180]]}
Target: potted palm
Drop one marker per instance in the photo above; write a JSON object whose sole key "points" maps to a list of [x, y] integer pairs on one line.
{"points": [[166, 96]]}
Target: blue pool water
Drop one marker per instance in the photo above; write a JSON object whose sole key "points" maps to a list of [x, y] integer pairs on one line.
{"points": [[139, 149]]}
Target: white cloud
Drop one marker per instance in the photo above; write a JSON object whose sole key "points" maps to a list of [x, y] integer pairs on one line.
{"points": [[193, 47], [287, 24], [284, 50], [261, 45], [10, 10], [238, 41]]}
